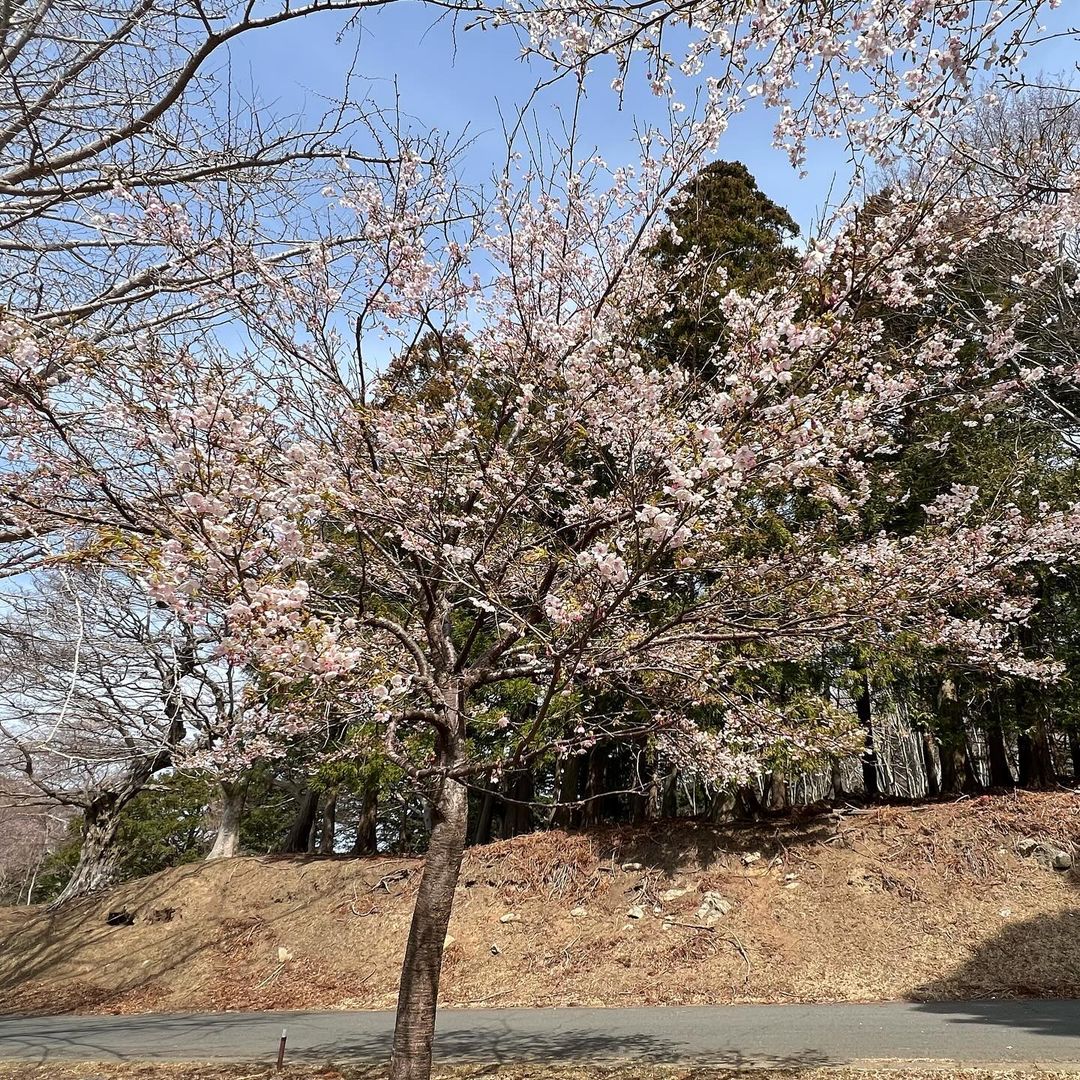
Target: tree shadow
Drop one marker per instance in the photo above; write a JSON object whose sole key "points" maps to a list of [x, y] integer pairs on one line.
{"points": [[1025, 965], [674, 846], [487, 1037], [45, 939], [46, 955]]}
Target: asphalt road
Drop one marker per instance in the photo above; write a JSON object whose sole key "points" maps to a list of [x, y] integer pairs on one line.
{"points": [[970, 1032]]}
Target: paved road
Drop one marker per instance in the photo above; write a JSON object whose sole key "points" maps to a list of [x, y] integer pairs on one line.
{"points": [[984, 1032]]}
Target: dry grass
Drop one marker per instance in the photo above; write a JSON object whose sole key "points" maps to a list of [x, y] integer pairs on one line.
{"points": [[886, 1070], [929, 903]]}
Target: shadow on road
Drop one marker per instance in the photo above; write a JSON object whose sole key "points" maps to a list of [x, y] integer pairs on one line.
{"points": [[1025, 959], [254, 1039], [1061, 1018]]}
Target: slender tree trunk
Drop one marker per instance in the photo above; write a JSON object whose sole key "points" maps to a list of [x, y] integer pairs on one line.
{"points": [[227, 841], [1074, 753], [972, 783], [592, 812], [836, 779], [517, 818], [414, 1029], [1045, 767], [96, 868], [487, 815], [669, 795], [565, 815], [871, 787], [997, 756], [644, 776], [930, 765], [366, 842], [328, 831]]}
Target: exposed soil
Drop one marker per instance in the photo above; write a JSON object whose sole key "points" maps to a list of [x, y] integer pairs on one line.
{"points": [[929, 902]]}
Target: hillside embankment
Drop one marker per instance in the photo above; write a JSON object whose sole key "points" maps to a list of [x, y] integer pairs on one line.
{"points": [[945, 900]]}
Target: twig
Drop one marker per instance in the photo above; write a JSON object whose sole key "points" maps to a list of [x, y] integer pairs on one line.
{"points": [[389, 879], [742, 952], [273, 975]]}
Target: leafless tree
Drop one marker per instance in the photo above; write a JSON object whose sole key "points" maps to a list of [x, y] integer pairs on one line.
{"points": [[104, 692], [31, 827], [119, 103]]}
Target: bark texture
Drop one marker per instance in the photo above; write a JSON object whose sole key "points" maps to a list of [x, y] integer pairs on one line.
{"points": [[414, 1029], [366, 842], [227, 841], [96, 868]]}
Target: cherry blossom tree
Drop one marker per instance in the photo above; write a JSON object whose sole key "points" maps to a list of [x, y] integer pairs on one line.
{"points": [[527, 500], [527, 504]]}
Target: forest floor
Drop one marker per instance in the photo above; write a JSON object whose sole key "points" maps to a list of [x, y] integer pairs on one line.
{"points": [[928, 902]]}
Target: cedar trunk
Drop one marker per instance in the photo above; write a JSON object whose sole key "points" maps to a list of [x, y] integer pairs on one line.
{"points": [[1000, 772], [366, 842], [930, 765], [300, 837], [871, 786], [328, 831]]}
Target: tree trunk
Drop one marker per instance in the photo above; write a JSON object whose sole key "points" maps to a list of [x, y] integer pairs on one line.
{"points": [[952, 769], [96, 868], [642, 801], [871, 787], [722, 807], [517, 817], [972, 783], [1045, 767], [997, 756], [227, 841], [747, 804], [669, 795], [487, 815], [776, 793], [566, 815], [592, 812], [366, 842], [300, 835], [1035, 760], [933, 773], [414, 1028], [329, 823], [1074, 753], [836, 779]]}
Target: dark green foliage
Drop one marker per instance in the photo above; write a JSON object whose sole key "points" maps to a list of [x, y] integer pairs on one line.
{"points": [[740, 239]]}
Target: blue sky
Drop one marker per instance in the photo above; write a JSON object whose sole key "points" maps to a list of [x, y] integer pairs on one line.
{"points": [[461, 81]]}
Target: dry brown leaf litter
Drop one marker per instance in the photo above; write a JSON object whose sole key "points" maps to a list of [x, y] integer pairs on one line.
{"points": [[927, 902]]}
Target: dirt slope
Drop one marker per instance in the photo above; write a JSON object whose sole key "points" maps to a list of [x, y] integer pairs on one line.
{"points": [[931, 902]]}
